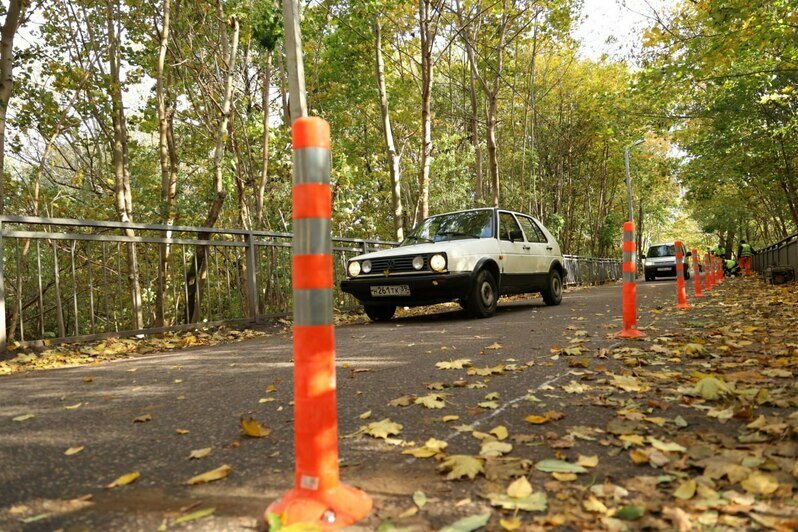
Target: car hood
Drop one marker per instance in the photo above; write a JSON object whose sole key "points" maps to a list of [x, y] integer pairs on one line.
{"points": [[450, 247], [661, 260]]}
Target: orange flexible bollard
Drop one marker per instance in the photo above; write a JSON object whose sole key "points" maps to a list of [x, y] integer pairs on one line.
{"points": [[707, 273], [681, 293], [318, 496], [697, 274], [629, 290]]}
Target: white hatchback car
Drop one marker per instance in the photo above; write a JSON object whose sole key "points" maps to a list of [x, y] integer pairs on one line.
{"points": [[471, 256]]}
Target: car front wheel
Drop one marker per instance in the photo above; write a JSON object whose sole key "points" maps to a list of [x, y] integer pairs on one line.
{"points": [[482, 300], [552, 295], [379, 312]]}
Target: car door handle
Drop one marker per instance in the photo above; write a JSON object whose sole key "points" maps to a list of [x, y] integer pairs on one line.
{"points": [[527, 248], [549, 248]]}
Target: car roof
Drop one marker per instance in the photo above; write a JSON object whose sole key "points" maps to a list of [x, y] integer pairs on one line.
{"points": [[482, 209]]}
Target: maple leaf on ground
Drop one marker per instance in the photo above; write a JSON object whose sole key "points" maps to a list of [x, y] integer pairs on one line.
{"points": [[404, 400], [433, 400], [492, 448], [460, 363], [431, 448], [462, 465], [484, 372], [382, 428], [628, 383]]}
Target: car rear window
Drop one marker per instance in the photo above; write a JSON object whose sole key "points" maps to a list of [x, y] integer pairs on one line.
{"points": [[665, 250]]}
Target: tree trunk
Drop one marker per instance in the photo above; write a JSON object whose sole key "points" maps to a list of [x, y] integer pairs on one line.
{"points": [[16, 11], [264, 169], [493, 160], [422, 210], [168, 161], [198, 274], [474, 119], [387, 130], [124, 198]]}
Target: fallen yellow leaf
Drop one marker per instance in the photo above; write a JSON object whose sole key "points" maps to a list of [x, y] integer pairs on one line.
{"points": [[592, 504], [209, 476], [564, 477], [253, 429], [73, 450], [510, 523], [587, 461], [519, 488], [500, 432], [124, 480], [196, 454], [686, 490]]}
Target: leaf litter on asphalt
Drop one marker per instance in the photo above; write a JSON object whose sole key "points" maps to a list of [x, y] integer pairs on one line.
{"points": [[697, 424]]}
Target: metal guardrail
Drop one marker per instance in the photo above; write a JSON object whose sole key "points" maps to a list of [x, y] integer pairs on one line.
{"points": [[64, 279], [591, 271], [782, 253]]}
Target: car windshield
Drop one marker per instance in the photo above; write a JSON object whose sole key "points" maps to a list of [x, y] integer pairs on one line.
{"points": [[664, 250], [458, 225]]}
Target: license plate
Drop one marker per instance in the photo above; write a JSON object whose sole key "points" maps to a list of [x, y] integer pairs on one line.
{"points": [[663, 269], [393, 290]]}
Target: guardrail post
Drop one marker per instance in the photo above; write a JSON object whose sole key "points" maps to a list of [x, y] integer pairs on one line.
{"points": [[252, 277], [2, 295], [318, 496]]}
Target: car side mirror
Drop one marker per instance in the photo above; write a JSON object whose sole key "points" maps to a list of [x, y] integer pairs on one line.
{"points": [[516, 234], [689, 254]]}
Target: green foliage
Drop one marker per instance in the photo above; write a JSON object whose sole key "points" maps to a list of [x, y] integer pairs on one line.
{"points": [[725, 72], [267, 23]]}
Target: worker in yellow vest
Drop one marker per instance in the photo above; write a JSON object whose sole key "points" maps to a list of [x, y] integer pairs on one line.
{"points": [[744, 254]]}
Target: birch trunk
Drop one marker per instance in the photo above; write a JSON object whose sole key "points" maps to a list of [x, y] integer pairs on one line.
{"points": [[168, 161], [387, 130], [264, 169], [124, 197]]}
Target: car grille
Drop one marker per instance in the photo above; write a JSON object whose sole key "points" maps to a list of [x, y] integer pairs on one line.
{"points": [[396, 264]]}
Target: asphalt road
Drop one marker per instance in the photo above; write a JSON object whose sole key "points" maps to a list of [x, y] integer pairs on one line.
{"points": [[207, 390]]}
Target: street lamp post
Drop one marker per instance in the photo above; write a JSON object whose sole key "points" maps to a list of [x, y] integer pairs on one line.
{"points": [[629, 178]]}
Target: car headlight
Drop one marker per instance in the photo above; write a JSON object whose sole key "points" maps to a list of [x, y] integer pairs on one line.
{"points": [[354, 268], [366, 266], [437, 262], [418, 262]]}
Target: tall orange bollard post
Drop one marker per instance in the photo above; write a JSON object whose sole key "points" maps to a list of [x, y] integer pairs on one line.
{"points": [[720, 269], [697, 274], [707, 273], [681, 293], [318, 496], [629, 290]]}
